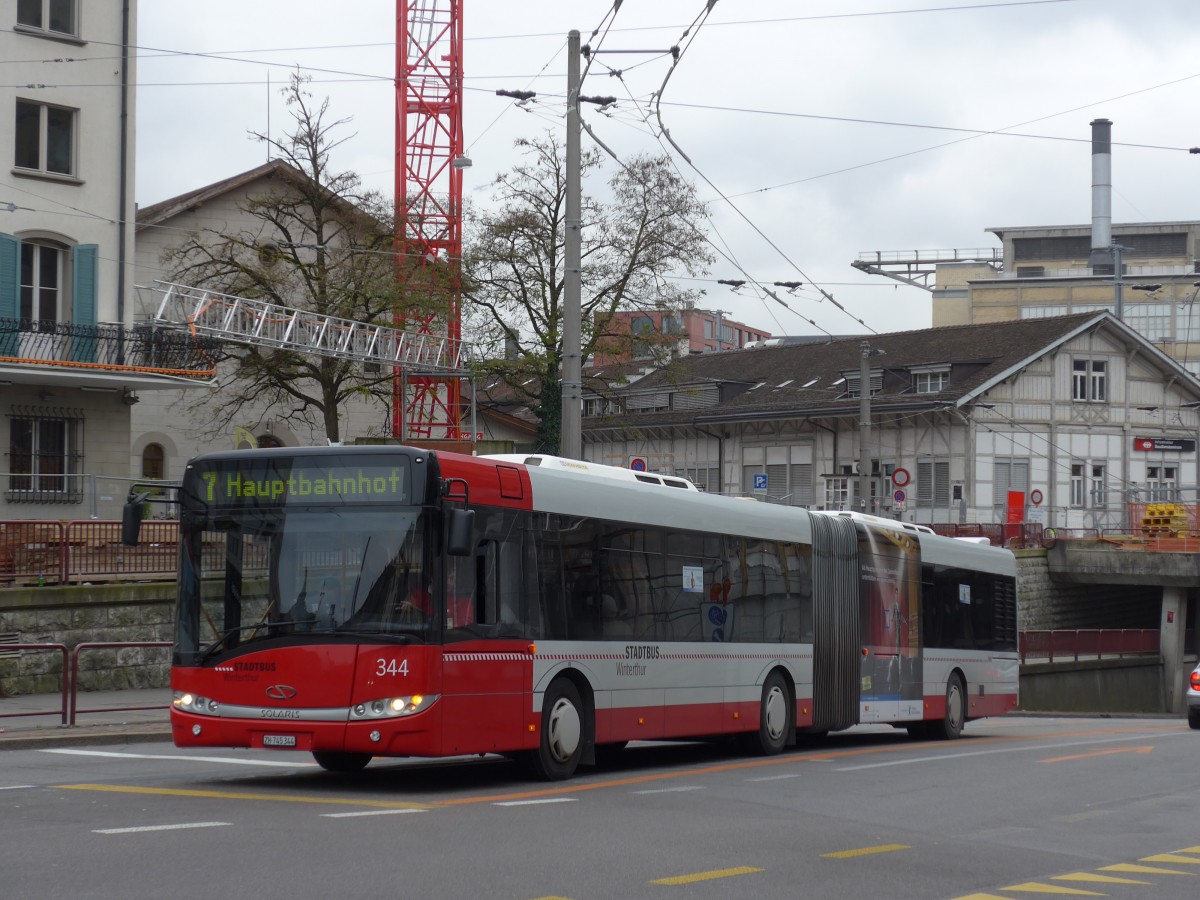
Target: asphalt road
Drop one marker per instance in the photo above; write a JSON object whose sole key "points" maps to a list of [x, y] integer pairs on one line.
{"points": [[1020, 807]]}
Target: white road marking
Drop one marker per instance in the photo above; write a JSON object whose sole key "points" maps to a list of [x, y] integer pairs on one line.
{"points": [[773, 778], [671, 790], [16, 787], [142, 828], [1013, 748], [534, 802], [211, 759], [371, 812]]}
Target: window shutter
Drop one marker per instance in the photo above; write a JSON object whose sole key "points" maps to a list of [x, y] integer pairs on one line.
{"points": [[10, 292], [83, 303], [924, 483], [801, 484]]}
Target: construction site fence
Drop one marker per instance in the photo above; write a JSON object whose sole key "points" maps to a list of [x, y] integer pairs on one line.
{"points": [[40, 552]]}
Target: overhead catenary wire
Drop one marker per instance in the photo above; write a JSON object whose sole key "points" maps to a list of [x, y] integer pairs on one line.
{"points": [[690, 37]]}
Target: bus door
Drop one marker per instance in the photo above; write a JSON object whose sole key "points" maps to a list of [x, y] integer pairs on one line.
{"points": [[891, 673], [491, 618]]}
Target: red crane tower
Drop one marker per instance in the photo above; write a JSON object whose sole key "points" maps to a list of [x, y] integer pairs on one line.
{"points": [[429, 147]]}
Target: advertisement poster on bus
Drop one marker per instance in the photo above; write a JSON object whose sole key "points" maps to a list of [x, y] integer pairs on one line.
{"points": [[892, 677]]}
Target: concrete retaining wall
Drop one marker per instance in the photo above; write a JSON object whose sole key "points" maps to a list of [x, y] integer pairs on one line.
{"points": [[1094, 686], [84, 613], [1046, 605]]}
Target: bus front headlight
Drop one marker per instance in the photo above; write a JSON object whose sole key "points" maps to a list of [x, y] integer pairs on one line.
{"points": [[391, 707], [185, 701]]}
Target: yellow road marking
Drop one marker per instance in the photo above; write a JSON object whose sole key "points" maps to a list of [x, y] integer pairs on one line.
{"points": [[1097, 879], [1171, 858], [1135, 869], [707, 876], [1034, 887], [865, 851], [1095, 753], [785, 759], [236, 795], [1189, 850]]}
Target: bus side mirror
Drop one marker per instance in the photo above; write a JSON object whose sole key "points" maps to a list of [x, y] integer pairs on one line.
{"points": [[131, 519], [459, 538]]}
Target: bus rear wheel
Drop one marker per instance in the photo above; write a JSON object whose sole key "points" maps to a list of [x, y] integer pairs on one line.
{"points": [[344, 763], [775, 716], [561, 745], [951, 725]]}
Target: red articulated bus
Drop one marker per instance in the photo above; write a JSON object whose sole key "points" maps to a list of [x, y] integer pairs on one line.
{"points": [[359, 602]]}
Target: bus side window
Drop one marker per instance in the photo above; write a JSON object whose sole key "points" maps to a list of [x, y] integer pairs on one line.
{"points": [[497, 598], [551, 581]]}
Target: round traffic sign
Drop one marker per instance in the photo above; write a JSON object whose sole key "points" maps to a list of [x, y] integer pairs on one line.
{"points": [[1035, 496], [899, 496], [900, 477]]}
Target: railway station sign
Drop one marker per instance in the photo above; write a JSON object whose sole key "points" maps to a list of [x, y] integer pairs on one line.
{"points": [[1177, 445]]}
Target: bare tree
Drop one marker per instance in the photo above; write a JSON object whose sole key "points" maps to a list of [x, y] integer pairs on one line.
{"points": [[315, 242], [641, 234]]}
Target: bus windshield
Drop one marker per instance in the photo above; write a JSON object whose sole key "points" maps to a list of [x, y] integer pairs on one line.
{"points": [[295, 574]]}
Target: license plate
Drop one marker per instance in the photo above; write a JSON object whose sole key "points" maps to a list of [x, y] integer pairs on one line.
{"points": [[279, 740]]}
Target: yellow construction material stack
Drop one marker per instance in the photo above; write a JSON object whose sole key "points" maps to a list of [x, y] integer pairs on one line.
{"points": [[1164, 520]]}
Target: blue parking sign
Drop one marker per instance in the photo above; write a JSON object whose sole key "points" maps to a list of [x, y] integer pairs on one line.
{"points": [[760, 482]]}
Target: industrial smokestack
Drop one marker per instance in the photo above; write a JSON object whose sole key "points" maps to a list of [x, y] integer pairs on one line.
{"points": [[1101, 259]]}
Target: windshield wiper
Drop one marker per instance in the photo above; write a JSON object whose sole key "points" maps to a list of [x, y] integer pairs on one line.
{"points": [[216, 645], [407, 637]]}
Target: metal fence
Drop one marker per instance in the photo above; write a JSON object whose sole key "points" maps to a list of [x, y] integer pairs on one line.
{"points": [[69, 710], [1026, 534], [35, 552], [1071, 645]]}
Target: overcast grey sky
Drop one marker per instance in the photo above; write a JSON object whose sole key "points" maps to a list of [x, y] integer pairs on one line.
{"points": [[827, 123]]}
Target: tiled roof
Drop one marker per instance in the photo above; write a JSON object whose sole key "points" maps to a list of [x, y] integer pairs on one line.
{"points": [[807, 379], [157, 213]]}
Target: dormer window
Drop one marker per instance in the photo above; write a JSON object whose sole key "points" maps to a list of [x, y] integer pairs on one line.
{"points": [[931, 382], [876, 383]]}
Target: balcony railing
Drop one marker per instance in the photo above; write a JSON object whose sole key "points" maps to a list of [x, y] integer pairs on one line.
{"points": [[142, 348]]}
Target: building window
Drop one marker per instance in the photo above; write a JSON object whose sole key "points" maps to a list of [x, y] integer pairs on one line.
{"points": [[45, 456], [837, 493], [154, 462], [1078, 489], [1153, 320], [1043, 312], [930, 382], [642, 329], [45, 138], [852, 389], [1162, 483], [41, 282], [57, 16], [1098, 492], [1089, 381], [933, 483]]}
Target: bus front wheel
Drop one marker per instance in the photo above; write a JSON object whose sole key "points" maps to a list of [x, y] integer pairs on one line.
{"points": [[344, 763], [561, 744], [775, 715], [951, 725]]}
